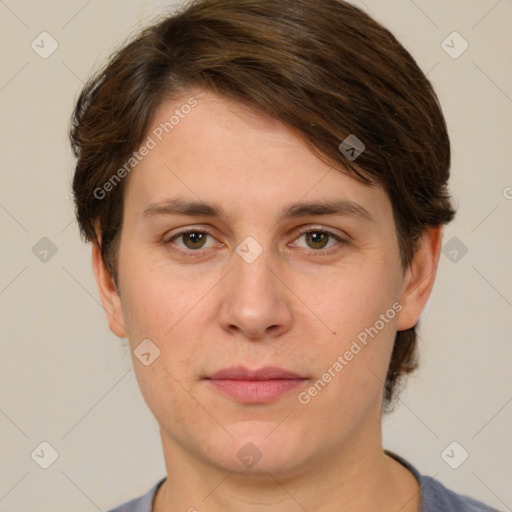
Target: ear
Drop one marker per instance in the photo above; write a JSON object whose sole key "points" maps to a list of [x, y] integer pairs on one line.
{"points": [[419, 278], [109, 295]]}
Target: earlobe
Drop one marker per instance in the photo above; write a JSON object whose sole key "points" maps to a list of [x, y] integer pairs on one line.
{"points": [[108, 292], [419, 278]]}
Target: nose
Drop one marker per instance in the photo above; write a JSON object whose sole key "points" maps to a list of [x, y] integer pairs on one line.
{"points": [[256, 302]]}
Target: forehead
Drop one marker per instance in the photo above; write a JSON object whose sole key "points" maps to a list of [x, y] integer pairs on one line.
{"points": [[213, 149]]}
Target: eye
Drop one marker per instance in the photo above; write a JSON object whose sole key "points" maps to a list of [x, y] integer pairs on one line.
{"points": [[319, 239], [191, 240]]}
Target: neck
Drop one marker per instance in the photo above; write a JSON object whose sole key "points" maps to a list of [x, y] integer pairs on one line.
{"points": [[357, 477]]}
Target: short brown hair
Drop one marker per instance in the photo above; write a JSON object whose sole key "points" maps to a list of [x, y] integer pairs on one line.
{"points": [[324, 68]]}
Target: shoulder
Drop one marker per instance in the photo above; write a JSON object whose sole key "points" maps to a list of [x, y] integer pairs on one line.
{"points": [[141, 504], [436, 497]]}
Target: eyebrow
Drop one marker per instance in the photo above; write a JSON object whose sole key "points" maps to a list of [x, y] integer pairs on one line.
{"points": [[340, 207], [182, 207], [177, 206]]}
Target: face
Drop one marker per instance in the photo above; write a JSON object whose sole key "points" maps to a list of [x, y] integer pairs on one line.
{"points": [[242, 251]]}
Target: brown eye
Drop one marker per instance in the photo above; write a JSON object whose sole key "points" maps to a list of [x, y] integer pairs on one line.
{"points": [[317, 239], [191, 241], [194, 239]]}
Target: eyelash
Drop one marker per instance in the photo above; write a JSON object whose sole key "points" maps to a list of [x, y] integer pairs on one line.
{"points": [[198, 252]]}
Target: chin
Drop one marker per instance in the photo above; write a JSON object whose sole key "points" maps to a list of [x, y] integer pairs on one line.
{"points": [[259, 448]]}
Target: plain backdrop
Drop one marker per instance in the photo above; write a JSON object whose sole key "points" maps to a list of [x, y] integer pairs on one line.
{"points": [[67, 381]]}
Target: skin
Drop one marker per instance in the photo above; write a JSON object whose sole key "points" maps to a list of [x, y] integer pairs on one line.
{"points": [[208, 309]]}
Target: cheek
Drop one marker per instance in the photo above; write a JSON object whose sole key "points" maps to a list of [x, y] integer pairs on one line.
{"points": [[164, 311], [170, 311], [156, 300], [350, 300], [361, 307]]}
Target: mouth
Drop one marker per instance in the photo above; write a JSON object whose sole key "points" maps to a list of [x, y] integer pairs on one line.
{"points": [[255, 386]]}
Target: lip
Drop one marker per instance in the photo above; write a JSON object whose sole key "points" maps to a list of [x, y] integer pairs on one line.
{"points": [[242, 373], [255, 386]]}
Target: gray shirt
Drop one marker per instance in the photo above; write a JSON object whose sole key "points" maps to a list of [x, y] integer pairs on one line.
{"points": [[434, 496]]}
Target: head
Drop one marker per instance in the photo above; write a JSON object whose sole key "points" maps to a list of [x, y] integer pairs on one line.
{"points": [[244, 107]]}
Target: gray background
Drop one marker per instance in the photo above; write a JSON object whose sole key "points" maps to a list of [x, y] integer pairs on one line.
{"points": [[65, 379]]}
